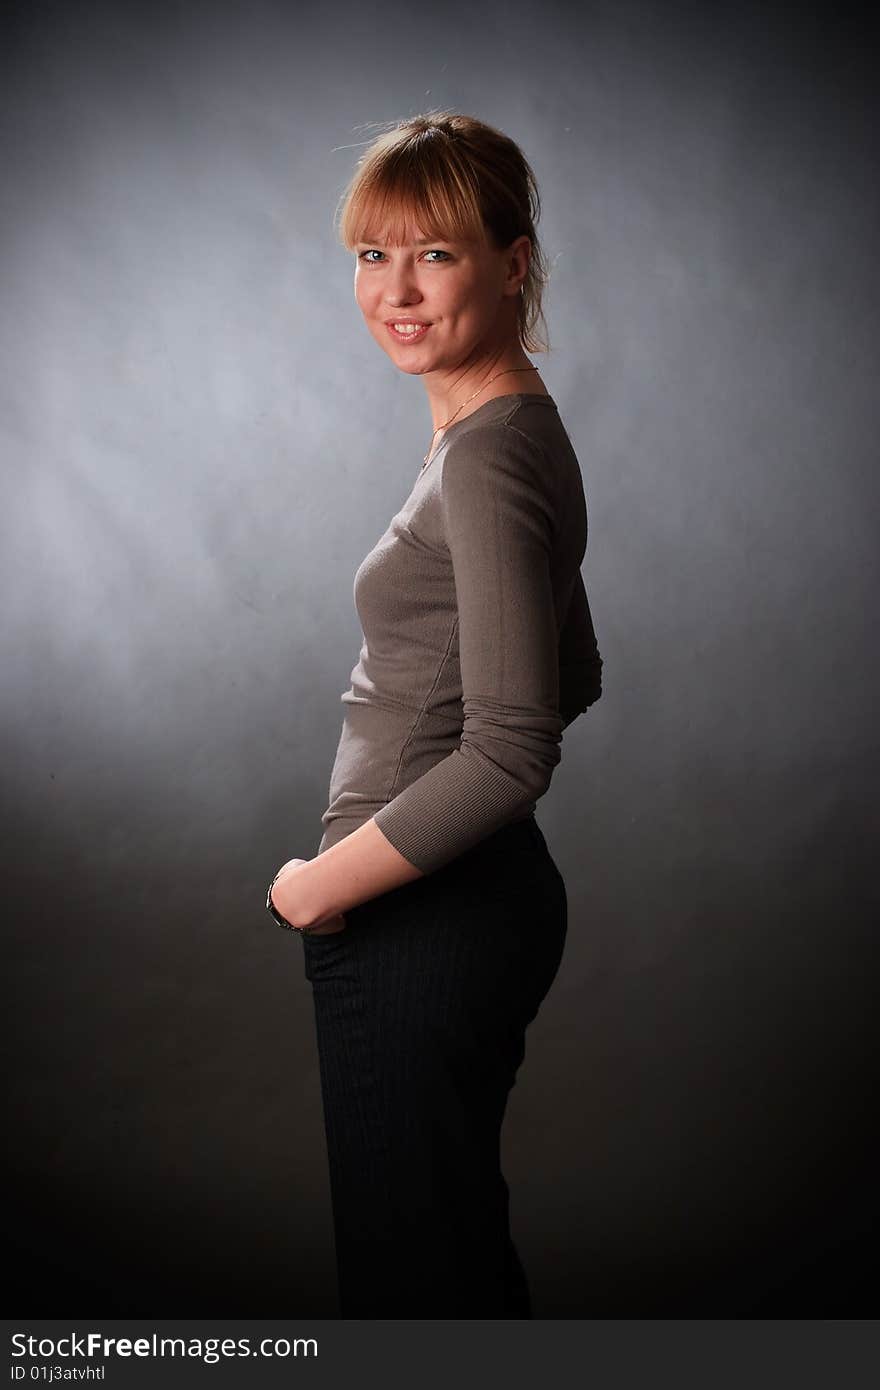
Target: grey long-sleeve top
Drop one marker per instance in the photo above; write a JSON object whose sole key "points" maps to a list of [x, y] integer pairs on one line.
{"points": [[478, 647]]}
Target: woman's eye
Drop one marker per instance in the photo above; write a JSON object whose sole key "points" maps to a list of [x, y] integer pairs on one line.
{"points": [[366, 255]]}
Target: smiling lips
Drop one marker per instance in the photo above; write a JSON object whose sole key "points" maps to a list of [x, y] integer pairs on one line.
{"points": [[407, 332]]}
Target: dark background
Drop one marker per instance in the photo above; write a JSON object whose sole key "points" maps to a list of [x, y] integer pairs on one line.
{"points": [[200, 442]]}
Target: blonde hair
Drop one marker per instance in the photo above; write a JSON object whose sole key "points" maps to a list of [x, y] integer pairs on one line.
{"points": [[456, 178]]}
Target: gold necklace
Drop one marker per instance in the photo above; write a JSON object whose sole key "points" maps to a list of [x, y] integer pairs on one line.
{"points": [[429, 455]]}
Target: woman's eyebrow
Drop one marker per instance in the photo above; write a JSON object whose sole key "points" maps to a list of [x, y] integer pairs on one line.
{"points": [[428, 241]]}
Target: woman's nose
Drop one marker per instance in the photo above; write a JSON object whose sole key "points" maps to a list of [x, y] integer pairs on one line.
{"points": [[401, 289]]}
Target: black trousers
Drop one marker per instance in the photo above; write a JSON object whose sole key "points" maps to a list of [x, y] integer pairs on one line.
{"points": [[421, 1006]]}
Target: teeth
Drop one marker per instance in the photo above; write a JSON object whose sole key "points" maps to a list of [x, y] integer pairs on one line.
{"points": [[408, 328]]}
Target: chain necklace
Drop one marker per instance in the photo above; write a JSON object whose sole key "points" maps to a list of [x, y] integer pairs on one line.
{"points": [[429, 455]]}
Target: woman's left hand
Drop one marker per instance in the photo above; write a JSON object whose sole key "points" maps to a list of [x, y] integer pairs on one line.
{"points": [[284, 892], [289, 902]]}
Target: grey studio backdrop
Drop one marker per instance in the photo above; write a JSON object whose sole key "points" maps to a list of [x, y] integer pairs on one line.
{"points": [[200, 443]]}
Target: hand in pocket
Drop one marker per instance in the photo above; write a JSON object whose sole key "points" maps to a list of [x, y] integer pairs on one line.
{"points": [[333, 924]]}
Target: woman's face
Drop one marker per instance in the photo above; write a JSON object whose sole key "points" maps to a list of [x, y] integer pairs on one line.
{"points": [[455, 295]]}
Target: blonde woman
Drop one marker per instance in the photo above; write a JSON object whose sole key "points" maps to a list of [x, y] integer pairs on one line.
{"points": [[433, 916]]}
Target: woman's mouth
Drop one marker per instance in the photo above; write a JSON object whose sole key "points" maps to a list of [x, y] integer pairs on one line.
{"points": [[408, 332]]}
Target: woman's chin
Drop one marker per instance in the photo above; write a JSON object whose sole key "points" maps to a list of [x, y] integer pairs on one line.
{"points": [[412, 367]]}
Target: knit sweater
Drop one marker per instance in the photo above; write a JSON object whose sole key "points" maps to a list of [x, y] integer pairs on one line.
{"points": [[478, 642]]}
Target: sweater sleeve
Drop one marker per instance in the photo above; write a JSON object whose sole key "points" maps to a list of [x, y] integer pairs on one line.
{"points": [[580, 664], [499, 527]]}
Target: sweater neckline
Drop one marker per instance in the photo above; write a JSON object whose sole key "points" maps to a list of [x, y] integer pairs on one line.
{"points": [[497, 400], [485, 407], [504, 401]]}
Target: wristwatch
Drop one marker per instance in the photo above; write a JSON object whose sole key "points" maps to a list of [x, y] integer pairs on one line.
{"points": [[282, 921]]}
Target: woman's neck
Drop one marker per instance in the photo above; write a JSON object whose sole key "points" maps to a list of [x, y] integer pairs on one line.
{"points": [[474, 390]]}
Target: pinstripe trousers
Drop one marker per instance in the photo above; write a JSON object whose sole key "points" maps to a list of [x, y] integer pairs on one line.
{"points": [[421, 1008]]}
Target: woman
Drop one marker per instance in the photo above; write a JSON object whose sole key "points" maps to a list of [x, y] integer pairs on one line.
{"points": [[433, 915]]}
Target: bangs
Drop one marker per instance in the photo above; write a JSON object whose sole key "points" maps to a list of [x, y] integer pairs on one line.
{"points": [[401, 197]]}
